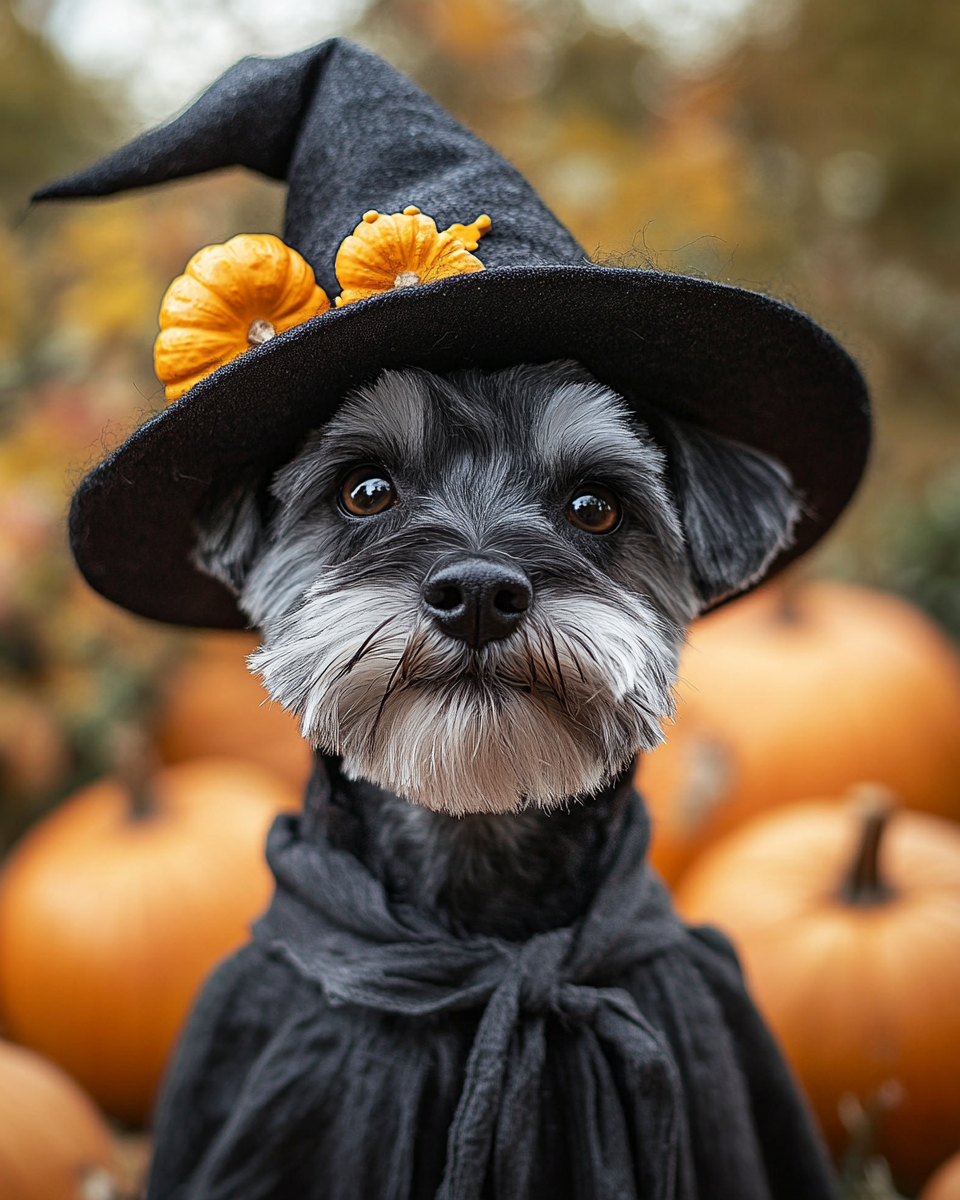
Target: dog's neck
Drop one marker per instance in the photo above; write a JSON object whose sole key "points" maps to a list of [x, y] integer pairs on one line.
{"points": [[509, 876]]}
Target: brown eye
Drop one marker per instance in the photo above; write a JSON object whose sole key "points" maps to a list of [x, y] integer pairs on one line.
{"points": [[367, 491], [594, 509]]}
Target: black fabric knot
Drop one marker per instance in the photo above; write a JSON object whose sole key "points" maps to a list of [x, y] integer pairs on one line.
{"points": [[539, 965], [495, 1126]]}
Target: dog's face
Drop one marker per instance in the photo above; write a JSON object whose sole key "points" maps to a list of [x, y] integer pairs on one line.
{"points": [[475, 587]]}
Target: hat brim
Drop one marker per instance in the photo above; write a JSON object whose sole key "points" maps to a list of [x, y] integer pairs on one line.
{"points": [[730, 360]]}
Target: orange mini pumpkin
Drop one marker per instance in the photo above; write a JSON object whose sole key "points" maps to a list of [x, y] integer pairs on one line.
{"points": [[849, 930], [397, 250], [231, 297]]}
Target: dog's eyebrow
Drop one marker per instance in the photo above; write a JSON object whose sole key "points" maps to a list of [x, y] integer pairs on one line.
{"points": [[389, 416], [383, 422], [586, 428]]}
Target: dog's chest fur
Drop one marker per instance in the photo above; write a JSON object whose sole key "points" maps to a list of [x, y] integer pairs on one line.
{"points": [[510, 876]]}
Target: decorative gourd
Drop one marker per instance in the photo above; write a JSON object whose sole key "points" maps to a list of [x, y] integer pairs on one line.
{"points": [[397, 250], [229, 298], [216, 707], [803, 690], [849, 932], [54, 1145], [114, 908], [945, 1183], [246, 291]]}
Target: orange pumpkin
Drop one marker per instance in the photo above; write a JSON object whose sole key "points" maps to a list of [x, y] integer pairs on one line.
{"points": [[797, 691], [216, 707], [849, 933], [396, 250], [229, 298], [945, 1183], [112, 912], [54, 1144]]}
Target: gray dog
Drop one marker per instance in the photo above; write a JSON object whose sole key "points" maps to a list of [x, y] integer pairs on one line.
{"points": [[472, 512]]}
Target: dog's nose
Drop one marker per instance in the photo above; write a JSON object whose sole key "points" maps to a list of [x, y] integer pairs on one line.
{"points": [[477, 599]]}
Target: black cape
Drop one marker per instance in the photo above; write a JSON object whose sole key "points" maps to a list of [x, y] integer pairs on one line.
{"points": [[358, 1050]]}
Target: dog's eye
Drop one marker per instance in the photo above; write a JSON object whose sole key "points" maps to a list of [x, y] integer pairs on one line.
{"points": [[367, 491], [594, 508]]}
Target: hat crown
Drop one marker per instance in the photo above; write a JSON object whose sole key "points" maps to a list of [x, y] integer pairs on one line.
{"points": [[348, 133]]}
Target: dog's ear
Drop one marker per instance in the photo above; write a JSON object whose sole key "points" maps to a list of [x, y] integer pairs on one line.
{"points": [[230, 533], [738, 508]]}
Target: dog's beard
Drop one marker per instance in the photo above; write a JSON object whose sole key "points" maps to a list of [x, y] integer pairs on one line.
{"points": [[552, 712]]}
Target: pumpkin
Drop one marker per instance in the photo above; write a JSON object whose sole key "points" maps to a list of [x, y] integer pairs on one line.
{"points": [[802, 690], [396, 250], [215, 706], [945, 1183], [115, 907], [848, 923], [54, 1144], [229, 298]]}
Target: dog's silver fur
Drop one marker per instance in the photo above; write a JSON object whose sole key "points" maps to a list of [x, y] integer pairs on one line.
{"points": [[484, 464]]}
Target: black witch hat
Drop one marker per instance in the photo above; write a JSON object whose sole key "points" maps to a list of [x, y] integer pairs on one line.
{"points": [[350, 134]]}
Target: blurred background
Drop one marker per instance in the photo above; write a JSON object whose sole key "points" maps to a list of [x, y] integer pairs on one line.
{"points": [[808, 149]]}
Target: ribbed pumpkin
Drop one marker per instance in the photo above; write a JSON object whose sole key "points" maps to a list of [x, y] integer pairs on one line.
{"points": [[945, 1183], [803, 690], [114, 908], [849, 931], [396, 250], [54, 1144], [229, 298], [216, 707]]}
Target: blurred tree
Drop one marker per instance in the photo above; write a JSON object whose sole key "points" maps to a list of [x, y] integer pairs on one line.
{"points": [[875, 81], [50, 121]]}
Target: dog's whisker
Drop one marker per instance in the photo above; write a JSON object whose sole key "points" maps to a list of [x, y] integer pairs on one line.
{"points": [[387, 693], [574, 658], [584, 646], [556, 658], [365, 645]]}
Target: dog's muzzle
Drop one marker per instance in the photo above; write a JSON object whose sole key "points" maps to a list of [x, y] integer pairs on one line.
{"points": [[477, 600]]}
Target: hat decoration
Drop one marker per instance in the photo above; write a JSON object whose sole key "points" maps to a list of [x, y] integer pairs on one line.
{"points": [[404, 250], [243, 293], [229, 298]]}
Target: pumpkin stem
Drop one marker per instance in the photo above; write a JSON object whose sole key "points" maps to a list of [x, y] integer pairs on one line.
{"points": [[863, 884], [790, 588], [134, 764], [260, 331]]}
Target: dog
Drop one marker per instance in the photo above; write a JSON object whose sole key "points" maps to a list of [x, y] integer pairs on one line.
{"points": [[472, 562], [475, 588]]}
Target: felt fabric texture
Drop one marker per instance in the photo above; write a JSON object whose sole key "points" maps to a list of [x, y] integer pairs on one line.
{"points": [[359, 1048], [349, 133]]}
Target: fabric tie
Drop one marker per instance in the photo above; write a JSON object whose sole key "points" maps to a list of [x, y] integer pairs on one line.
{"points": [[498, 1106]]}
